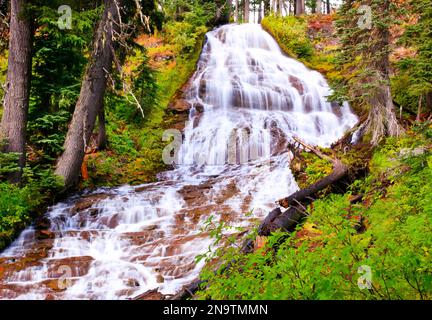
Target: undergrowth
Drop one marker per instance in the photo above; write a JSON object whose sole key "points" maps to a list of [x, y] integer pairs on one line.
{"points": [[330, 257]]}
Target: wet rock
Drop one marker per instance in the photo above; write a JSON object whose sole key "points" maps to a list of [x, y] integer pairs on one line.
{"points": [[153, 294], [132, 283], [279, 141], [144, 237], [42, 223], [336, 109], [202, 91], [228, 192], [191, 194], [308, 103], [180, 106], [111, 221], [44, 234], [199, 107], [88, 201], [160, 278], [296, 83], [69, 267]]}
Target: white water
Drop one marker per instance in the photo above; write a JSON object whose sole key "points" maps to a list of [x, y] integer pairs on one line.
{"points": [[233, 159]]}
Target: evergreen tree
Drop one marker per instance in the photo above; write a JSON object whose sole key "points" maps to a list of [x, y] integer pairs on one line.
{"points": [[418, 69], [364, 30]]}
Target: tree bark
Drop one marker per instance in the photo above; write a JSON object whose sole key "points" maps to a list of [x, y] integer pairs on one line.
{"points": [[328, 6], [318, 6], [382, 120], [102, 137], [300, 7], [16, 101], [429, 101], [246, 11], [419, 109], [260, 12], [91, 95]]}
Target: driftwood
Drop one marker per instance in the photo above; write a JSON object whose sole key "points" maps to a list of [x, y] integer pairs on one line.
{"points": [[297, 202]]}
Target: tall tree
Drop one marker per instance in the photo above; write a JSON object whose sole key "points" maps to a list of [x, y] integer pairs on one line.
{"points": [[365, 58], [299, 7], [318, 6], [246, 10], [92, 92], [16, 101], [418, 68], [266, 7]]}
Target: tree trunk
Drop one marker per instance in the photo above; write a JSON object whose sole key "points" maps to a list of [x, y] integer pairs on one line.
{"points": [[419, 109], [260, 12], [300, 7], [16, 101], [236, 11], [429, 101], [318, 6], [328, 6], [281, 7], [272, 6], [246, 11], [102, 137], [266, 7], [91, 95], [382, 120]]}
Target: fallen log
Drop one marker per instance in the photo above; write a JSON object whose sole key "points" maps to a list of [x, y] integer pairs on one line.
{"points": [[305, 195], [297, 203]]}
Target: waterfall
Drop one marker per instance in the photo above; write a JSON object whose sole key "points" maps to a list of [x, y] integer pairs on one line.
{"points": [[247, 101]]}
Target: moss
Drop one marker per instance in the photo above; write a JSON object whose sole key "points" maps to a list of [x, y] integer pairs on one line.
{"points": [[315, 49]]}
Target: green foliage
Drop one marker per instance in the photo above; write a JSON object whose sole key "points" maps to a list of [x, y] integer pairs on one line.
{"points": [[48, 134], [19, 204], [325, 263], [135, 143], [413, 81], [291, 34], [185, 32], [418, 69], [58, 63], [8, 163]]}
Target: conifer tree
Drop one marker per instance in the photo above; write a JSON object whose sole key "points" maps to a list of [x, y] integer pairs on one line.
{"points": [[419, 67], [364, 30]]}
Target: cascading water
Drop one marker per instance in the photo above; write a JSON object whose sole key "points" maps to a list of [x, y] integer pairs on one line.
{"points": [[248, 100]]}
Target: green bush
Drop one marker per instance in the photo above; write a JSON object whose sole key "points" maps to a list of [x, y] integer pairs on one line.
{"points": [[18, 205], [290, 33], [330, 259]]}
